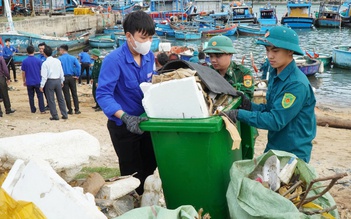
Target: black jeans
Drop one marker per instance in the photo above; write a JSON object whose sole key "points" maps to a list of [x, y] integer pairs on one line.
{"points": [[32, 89], [135, 152], [85, 66], [70, 84], [4, 93], [11, 63]]}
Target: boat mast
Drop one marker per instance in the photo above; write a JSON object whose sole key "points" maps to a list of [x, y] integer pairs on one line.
{"points": [[9, 16]]}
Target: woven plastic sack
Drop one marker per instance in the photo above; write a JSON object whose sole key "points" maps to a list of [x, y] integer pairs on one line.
{"points": [[248, 198], [157, 212]]}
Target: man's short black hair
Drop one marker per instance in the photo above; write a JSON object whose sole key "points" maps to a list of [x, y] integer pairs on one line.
{"points": [[162, 58], [42, 44], [7, 40], [139, 21], [64, 47], [201, 55], [30, 50], [48, 51], [85, 50]]}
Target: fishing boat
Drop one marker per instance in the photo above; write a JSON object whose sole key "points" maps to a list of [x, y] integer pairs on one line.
{"points": [[325, 58], [328, 15], [267, 16], [154, 44], [164, 29], [308, 66], [241, 13], [342, 56], [187, 35], [103, 41], [298, 15], [117, 30], [220, 30], [345, 13], [251, 30]]}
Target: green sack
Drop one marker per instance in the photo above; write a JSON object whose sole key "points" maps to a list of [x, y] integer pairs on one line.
{"points": [[157, 212], [248, 198]]}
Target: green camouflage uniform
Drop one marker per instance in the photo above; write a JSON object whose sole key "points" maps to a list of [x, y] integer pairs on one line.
{"points": [[95, 75]]}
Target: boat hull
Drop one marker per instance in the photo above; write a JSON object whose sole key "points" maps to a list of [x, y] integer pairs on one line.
{"points": [[251, 30], [181, 35], [298, 22], [311, 68], [320, 22], [342, 56]]}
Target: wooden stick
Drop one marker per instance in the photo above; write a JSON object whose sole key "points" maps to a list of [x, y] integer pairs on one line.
{"points": [[292, 188]]}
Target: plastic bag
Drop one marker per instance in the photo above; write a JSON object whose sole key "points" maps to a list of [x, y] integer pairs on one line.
{"points": [[12, 209], [248, 198]]}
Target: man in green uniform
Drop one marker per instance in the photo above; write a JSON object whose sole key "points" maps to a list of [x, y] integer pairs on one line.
{"points": [[221, 50], [95, 54], [289, 113]]}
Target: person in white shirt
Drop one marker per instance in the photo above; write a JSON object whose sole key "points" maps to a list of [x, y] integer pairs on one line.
{"points": [[52, 78]]}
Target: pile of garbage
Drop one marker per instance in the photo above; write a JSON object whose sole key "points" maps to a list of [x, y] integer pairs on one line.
{"points": [[283, 184]]}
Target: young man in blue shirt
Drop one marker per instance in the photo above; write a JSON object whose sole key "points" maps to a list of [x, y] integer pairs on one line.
{"points": [[71, 70], [8, 52], [85, 61], [31, 79], [289, 113], [120, 96], [41, 47]]}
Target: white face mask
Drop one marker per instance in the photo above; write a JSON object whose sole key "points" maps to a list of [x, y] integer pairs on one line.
{"points": [[142, 48]]}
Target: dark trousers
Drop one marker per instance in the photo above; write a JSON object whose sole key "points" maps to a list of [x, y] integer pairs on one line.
{"points": [[52, 87], [70, 84], [11, 63], [94, 91], [85, 66], [135, 152], [32, 89], [4, 93]]}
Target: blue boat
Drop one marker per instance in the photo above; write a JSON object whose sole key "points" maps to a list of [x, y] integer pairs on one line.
{"points": [[103, 41], [267, 16], [342, 56], [328, 15], [298, 15], [187, 35], [308, 66], [117, 30], [241, 13], [154, 45], [164, 30], [345, 12], [251, 30]]}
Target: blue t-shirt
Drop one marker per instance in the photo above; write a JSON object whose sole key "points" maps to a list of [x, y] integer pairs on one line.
{"points": [[84, 57], [70, 64], [42, 57], [8, 51], [119, 80], [31, 66]]}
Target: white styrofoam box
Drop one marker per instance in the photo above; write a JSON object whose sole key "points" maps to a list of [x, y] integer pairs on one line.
{"points": [[37, 182], [179, 98], [165, 47]]}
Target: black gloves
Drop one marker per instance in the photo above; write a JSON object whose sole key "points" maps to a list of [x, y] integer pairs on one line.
{"points": [[245, 102], [232, 114], [132, 123]]}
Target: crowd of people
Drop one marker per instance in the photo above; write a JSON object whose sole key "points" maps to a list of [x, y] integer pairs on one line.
{"points": [[47, 77]]}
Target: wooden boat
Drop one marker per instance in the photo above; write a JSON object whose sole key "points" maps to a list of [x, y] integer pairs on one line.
{"points": [[187, 35], [154, 45], [298, 15], [164, 29], [308, 66], [345, 13], [328, 15], [220, 30], [342, 56], [241, 13], [325, 58], [103, 41], [20, 56], [251, 30]]}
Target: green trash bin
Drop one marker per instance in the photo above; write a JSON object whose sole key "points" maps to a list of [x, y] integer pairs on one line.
{"points": [[194, 157]]}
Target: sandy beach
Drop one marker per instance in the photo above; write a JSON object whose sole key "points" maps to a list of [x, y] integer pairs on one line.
{"points": [[331, 152]]}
